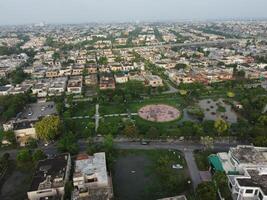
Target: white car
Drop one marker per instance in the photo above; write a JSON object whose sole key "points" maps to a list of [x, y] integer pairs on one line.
{"points": [[177, 166]]}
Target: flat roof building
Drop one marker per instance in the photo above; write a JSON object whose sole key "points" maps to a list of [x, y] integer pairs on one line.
{"points": [[90, 178], [246, 169], [50, 177]]}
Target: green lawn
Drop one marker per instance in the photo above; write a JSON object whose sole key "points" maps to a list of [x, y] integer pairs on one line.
{"points": [[79, 127], [112, 108], [83, 109], [163, 128], [175, 101]]}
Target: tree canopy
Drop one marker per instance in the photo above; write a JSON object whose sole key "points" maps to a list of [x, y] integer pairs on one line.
{"points": [[206, 191], [48, 128], [221, 126]]}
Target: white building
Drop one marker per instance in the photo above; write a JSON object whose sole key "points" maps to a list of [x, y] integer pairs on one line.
{"points": [[121, 78], [90, 178], [246, 169]]}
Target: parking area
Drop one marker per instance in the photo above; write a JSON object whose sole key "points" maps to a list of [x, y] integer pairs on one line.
{"points": [[37, 110]]}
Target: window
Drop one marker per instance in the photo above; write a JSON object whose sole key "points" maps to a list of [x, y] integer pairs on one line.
{"points": [[260, 196], [249, 191], [256, 192]]}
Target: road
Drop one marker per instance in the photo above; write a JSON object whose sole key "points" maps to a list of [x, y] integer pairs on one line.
{"points": [[192, 168]]}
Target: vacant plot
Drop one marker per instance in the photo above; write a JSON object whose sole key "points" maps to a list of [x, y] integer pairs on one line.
{"points": [[149, 175], [159, 113], [17, 185]]}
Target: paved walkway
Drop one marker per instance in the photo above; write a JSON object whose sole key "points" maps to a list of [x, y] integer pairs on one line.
{"points": [[96, 117], [110, 115], [192, 168]]}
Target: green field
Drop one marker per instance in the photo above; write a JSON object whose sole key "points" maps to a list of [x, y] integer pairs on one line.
{"points": [[148, 174]]}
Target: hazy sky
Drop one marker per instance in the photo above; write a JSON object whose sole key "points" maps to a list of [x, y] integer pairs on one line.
{"points": [[80, 11]]}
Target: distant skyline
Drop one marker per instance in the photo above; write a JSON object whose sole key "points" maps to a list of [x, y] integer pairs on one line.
{"points": [[87, 11]]}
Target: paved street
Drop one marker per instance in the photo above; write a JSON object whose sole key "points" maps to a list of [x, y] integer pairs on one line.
{"points": [[192, 167]]}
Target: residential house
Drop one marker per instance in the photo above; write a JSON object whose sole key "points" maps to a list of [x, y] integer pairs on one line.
{"points": [[75, 84], [50, 177], [106, 82], [91, 79], [90, 178], [246, 169], [153, 80], [121, 78]]}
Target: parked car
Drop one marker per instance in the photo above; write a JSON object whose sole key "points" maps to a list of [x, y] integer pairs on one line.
{"points": [[177, 166], [144, 142]]}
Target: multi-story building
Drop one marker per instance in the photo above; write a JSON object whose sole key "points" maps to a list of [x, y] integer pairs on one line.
{"points": [[90, 79], [246, 169], [90, 178], [75, 84], [50, 177], [107, 82]]}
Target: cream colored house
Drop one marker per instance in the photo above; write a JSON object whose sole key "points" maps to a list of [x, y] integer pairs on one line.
{"points": [[153, 80]]}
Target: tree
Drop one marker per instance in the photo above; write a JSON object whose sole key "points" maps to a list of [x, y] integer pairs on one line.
{"points": [[180, 66], [134, 88], [103, 60], [108, 142], [56, 56], [24, 155], [17, 76], [90, 129], [68, 144], [32, 143], [118, 59], [9, 136], [152, 133], [221, 126], [3, 81], [206, 191], [48, 128], [262, 120], [221, 184], [239, 74], [13, 104], [207, 142], [108, 147], [68, 190], [38, 155], [130, 130], [260, 141]]}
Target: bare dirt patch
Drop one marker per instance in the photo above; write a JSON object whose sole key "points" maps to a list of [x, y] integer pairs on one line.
{"points": [[159, 113]]}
